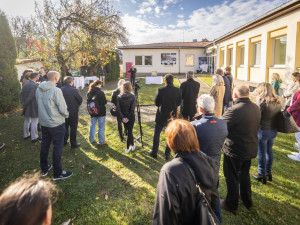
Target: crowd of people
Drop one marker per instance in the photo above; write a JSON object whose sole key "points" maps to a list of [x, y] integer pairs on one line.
{"points": [[227, 119]]}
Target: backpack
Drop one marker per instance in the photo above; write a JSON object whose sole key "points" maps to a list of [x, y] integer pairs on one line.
{"points": [[92, 107]]}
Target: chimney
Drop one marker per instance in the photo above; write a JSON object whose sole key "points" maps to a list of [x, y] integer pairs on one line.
{"points": [[194, 40]]}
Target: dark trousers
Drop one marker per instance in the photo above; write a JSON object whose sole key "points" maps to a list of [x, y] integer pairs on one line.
{"points": [[55, 134], [156, 138], [132, 80], [71, 122], [120, 128], [236, 173], [188, 117], [129, 128]]}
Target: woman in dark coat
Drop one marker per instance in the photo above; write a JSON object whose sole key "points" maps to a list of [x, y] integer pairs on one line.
{"points": [[114, 98], [270, 105], [97, 96], [125, 109], [177, 195]]}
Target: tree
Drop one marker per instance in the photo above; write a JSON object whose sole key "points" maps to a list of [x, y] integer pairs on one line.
{"points": [[9, 84], [68, 28]]}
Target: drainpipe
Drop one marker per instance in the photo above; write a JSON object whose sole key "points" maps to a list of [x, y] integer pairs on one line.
{"points": [[179, 60]]}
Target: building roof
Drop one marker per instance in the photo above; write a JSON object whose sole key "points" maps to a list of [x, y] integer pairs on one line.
{"points": [[274, 13], [167, 45]]}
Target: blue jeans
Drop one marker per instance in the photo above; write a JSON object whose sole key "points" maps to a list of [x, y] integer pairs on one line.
{"points": [[265, 151], [101, 130]]}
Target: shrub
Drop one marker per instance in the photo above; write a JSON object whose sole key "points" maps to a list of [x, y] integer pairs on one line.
{"points": [[114, 67], [9, 84]]}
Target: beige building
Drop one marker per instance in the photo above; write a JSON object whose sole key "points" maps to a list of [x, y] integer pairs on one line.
{"points": [[269, 44], [256, 50], [169, 57]]}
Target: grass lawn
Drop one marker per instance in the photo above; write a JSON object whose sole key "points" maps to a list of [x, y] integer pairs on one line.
{"points": [[110, 187], [147, 92], [208, 80]]}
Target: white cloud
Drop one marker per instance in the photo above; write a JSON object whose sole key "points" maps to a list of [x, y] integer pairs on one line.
{"points": [[165, 7], [146, 6], [133, 1], [209, 22], [170, 2], [180, 16], [181, 8]]}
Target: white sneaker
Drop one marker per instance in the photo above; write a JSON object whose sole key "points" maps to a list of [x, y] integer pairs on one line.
{"points": [[128, 150], [295, 157], [133, 147]]}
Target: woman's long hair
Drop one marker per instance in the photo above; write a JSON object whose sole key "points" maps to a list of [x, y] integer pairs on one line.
{"points": [[126, 87], [94, 84], [181, 136], [266, 93]]}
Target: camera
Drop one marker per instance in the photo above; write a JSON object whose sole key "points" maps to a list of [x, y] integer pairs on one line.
{"points": [[136, 85]]}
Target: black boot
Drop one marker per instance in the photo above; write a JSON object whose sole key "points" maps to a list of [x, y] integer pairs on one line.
{"points": [[260, 177], [269, 176]]}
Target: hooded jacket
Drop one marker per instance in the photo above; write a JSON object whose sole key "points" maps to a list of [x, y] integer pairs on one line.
{"points": [[177, 195], [52, 108], [100, 98]]}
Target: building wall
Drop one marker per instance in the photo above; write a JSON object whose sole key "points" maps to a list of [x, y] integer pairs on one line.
{"points": [[35, 66], [179, 67], [287, 25]]}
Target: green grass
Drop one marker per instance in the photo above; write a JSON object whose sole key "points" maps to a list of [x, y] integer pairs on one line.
{"points": [[147, 92], [208, 80], [111, 187]]}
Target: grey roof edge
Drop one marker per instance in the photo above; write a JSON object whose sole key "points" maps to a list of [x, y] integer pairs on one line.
{"points": [[273, 11]]}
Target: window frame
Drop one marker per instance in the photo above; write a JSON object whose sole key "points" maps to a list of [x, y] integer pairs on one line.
{"points": [[273, 53], [193, 55], [254, 54], [240, 59], [143, 60]]}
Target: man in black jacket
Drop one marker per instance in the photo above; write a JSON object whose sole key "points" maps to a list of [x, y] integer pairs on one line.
{"points": [[73, 101], [189, 90], [132, 72], [167, 100], [239, 148]]}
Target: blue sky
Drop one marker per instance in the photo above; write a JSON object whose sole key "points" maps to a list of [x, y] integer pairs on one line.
{"points": [[151, 21]]}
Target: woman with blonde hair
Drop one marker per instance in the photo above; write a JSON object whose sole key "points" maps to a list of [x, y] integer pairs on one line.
{"points": [[96, 102], [114, 98], [270, 105], [276, 82], [217, 92], [125, 109], [177, 195]]}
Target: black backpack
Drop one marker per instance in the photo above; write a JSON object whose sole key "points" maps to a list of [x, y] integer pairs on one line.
{"points": [[93, 106]]}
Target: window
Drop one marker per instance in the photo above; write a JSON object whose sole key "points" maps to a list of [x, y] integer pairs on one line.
{"points": [[189, 60], [256, 53], [143, 60], [242, 55], [168, 59], [279, 53], [230, 56], [222, 58]]}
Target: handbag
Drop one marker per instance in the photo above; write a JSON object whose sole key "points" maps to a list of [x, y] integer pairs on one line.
{"points": [[285, 123], [204, 213], [113, 111]]}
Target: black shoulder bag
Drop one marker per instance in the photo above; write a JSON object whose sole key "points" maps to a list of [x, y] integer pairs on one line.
{"points": [[204, 215]]}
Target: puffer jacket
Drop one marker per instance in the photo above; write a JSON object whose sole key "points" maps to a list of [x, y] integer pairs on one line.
{"points": [[100, 101], [177, 195], [125, 105]]}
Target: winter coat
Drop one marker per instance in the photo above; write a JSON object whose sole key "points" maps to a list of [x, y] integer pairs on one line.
{"points": [[100, 101], [211, 133], [52, 107], [291, 89], [72, 98], [230, 78], [126, 105], [294, 109], [227, 95], [167, 100], [114, 96], [269, 115], [27, 98], [243, 120], [217, 92], [189, 93], [177, 195]]}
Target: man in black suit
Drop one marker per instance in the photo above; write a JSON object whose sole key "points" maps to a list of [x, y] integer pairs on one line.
{"points": [[189, 90], [73, 101], [167, 100], [132, 72]]}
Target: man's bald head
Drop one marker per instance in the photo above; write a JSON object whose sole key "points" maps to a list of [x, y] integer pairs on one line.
{"points": [[53, 76], [241, 92]]}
